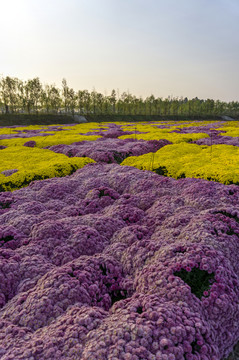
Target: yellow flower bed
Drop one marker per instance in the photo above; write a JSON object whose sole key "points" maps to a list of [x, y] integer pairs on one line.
{"points": [[67, 136], [35, 164], [157, 134], [10, 131], [152, 132], [140, 126], [231, 128], [50, 140], [218, 163]]}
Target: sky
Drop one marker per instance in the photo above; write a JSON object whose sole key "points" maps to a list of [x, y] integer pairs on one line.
{"points": [[176, 48]]}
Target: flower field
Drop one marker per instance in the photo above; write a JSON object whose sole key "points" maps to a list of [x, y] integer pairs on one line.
{"points": [[119, 241]]}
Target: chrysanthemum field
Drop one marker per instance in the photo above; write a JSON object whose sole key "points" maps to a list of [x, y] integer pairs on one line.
{"points": [[119, 241]]}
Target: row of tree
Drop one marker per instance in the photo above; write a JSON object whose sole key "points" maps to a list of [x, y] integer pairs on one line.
{"points": [[17, 96]]}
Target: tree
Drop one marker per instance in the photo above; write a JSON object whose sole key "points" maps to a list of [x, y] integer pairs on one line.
{"points": [[130, 101], [8, 91], [80, 101], [72, 100], [45, 98], [209, 107], [86, 101], [21, 95], [135, 103], [106, 104], [65, 94], [100, 102], [94, 100], [33, 94], [140, 105], [69, 97], [150, 103], [55, 98], [196, 107], [220, 108], [165, 107], [112, 100], [174, 106], [126, 102], [233, 108], [51, 100]]}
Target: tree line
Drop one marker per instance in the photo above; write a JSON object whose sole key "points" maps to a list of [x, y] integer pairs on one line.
{"points": [[31, 96]]}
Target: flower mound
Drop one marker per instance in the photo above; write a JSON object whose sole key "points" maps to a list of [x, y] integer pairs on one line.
{"points": [[109, 150], [115, 263], [34, 164], [217, 162]]}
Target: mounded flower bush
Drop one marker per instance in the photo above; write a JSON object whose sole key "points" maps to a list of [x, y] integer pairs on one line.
{"points": [[21, 165], [108, 150], [217, 162], [116, 263]]}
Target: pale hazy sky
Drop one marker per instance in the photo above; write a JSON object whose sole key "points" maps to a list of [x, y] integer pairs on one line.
{"points": [[161, 47]]}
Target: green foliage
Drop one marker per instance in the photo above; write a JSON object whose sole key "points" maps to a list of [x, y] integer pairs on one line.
{"points": [[197, 279], [161, 170], [5, 239]]}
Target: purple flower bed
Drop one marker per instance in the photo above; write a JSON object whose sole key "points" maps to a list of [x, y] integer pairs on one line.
{"points": [[28, 134], [109, 150], [218, 139], [110, 131], [117, 263], [215, 138], [203, 128]]}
